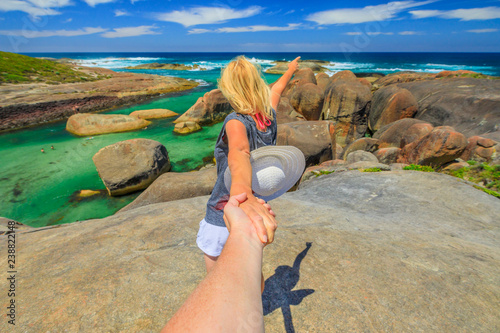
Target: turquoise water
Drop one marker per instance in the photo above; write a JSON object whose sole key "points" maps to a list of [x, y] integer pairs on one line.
{"points": [[38, 189]]}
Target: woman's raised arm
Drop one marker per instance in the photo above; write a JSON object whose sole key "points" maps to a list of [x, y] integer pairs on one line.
{"points": [[280, 85]]}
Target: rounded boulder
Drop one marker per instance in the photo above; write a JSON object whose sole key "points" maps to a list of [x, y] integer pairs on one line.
{"points": [[307, 100], [313, 138], [86, 124], [439, 147], [390, 104], [154, 114], [131, 165], [360, 155]]}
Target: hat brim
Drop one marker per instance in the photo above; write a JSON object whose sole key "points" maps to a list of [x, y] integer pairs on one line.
{"points": [[292, 161]]}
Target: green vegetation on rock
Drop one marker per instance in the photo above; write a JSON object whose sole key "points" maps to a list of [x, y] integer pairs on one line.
{"points": [[416, 167], [483, 174], [490, 192], [17, 68], [372, 170], [323, 172]]}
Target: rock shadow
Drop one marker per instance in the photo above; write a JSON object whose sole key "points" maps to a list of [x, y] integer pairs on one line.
{"points": [[278, 291]]}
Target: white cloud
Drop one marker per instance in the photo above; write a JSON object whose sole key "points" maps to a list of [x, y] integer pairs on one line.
{"points": [[425, 13], [207, 15], [410, 33], [35, 8], [93, 3], [367, 14], [131, 31], [68, 20], [134, 1], [117, 32], [482, 31], [379, 33], [119, 12], [358, 33], [251, 28], [290, 12], [480, 14], [50, 3], [199, 31], [51, 33]]}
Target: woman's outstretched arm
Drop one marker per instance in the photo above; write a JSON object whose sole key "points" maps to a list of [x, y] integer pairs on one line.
{"points": [[280, 85], [241, 179], [229, 298]]}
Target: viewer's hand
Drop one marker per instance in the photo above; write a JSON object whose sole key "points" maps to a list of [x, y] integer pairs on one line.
{"points": [[294, 64], [253, 210]]}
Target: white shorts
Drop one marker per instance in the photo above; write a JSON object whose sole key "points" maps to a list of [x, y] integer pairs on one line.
{"points": [[211, 238]]}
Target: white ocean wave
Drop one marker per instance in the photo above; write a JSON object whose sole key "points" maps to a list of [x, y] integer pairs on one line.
{"points": [[439, 65], [201, 83], [113, 63], [402, 69], [218, 64], [210, 65], [261, 61], [336, 66]]}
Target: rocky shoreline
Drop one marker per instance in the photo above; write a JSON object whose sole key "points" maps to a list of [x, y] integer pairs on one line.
{"points": [[25, 105], [172, 67], [280, 67]]}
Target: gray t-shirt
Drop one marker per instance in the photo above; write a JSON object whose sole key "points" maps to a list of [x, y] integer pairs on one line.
{"points": [[256, 139]]}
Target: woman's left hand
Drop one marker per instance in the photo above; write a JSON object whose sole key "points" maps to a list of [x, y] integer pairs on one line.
{"points": [[260, 214]]}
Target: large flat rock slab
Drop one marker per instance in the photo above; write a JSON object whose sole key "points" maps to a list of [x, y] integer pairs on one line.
{"points": [[398, 251]]}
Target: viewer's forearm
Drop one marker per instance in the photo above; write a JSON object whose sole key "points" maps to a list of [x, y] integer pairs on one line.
{"points": [[241, 263], [229, 299]]}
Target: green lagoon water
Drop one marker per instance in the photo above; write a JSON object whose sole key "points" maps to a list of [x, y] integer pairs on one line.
{"points": [[38, 189]]}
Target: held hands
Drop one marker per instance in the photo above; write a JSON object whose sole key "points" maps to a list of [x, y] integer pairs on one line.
{"points": [[243, 211], [294, 64]]}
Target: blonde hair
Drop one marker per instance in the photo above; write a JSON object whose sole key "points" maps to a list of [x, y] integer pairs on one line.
{"points": [[243, 85]]}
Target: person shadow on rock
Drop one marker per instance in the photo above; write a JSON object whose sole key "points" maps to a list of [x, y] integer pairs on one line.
{"points": [[278, 291]]}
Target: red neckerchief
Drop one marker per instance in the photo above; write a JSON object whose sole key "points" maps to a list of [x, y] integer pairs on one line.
{"points": [[262, 120]]}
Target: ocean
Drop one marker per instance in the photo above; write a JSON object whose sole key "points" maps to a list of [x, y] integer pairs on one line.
{"points": [[39, 189]]}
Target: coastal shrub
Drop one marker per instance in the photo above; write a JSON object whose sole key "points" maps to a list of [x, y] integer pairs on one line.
{"points": [[14, 78], [490, 192], [17, 68], [483, 174], [490, 175], [472, 162], [372, 170], [459, 173], [322, 172], [416, 167], [475, 75]]}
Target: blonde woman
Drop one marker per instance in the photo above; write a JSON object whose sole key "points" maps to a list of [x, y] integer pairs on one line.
{"points": [[250, 126]]}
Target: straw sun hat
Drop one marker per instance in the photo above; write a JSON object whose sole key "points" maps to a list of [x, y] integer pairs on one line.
{"points": [[275, 169]]}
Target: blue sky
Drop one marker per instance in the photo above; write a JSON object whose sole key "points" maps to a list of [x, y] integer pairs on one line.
{"points": [[243, 26]]}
